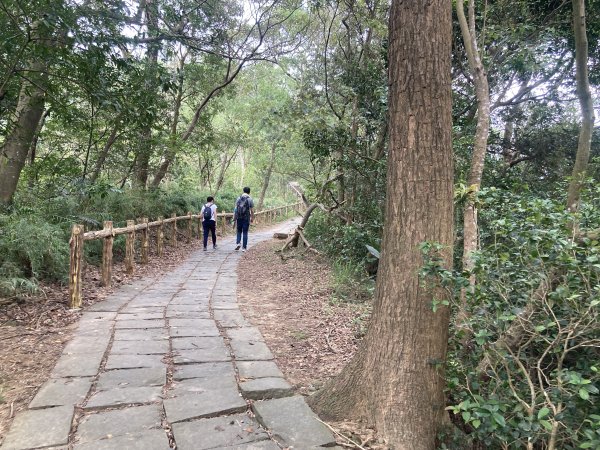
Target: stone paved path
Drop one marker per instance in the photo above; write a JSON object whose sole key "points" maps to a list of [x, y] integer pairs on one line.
{"points": [[170, 362]]}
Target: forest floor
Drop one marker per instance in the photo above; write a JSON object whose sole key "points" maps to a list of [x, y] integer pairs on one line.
{"points": [[292, 303], [311, 335]]}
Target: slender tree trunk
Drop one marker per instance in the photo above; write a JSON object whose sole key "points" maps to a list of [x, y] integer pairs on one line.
{"points": [[29, 111], [586, 104], [396, 381], [172, 151], [103, 154], [33, 148], [265, 185], [144, 152], [470, 227]]}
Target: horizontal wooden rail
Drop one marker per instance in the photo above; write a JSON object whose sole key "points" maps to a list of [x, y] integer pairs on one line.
{"points": [[78, 237]]}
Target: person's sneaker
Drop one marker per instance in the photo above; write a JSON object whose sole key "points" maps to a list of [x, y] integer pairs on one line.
{"points": [[204, 249], [244, 249], [237, 247], [214, 246]]}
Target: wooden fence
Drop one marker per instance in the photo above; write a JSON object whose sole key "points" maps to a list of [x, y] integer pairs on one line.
{"points": [[108, 233]]}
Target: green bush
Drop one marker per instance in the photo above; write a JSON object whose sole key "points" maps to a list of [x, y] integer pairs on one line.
{"points": [[524, 367]]}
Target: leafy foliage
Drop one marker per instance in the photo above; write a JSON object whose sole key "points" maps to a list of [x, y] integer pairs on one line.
{"points": [[529, 372]]}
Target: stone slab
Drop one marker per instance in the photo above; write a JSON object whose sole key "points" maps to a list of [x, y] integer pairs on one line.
{"points": [[192, 332], [188, 315], [206, 404], [39, 428], [86, 345], [61, 392], [141, 324], [108, 306], [205, 384], [140, 316], [154, 334], [217, 432], [149, 440], [133, 361], [149, 376], [224, 306], [197, 342], [201, 355], [258, 369], [264, 388], [193, 323], [206, 370], [77, 365], [259, 445], [245, 334], [107, 424], [293, 422], [124, 396], [140, 347], [230, 318], [250, 350], [97, 316]]}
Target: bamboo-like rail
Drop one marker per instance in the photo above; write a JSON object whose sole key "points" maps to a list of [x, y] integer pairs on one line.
{"points": [[107, 234]]}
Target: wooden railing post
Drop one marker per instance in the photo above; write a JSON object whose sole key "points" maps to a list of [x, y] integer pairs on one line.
{"points": [[130, 247], [76, 256], [174, 230], [189, 227], [160, 235], [107, 254], [200, 227], [145, 244]]}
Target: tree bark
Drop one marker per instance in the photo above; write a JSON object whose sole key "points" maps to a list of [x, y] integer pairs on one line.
{"points": [[482, 92], [102, 157], [395, 381], [586, 104], [29, 111], [265, 185], [172, 151], [145, 150]]}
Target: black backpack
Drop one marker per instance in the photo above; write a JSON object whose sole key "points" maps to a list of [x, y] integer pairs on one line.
{"points": [[207, 212], [241, 208]]}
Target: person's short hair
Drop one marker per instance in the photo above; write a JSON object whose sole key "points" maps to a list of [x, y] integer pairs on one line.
{"points": [[246, 190], [209, 199]]}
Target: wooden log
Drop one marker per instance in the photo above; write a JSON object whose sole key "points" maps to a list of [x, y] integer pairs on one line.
{"points": [[130, 248], [76, 256], [174, 231], [280, 236], [160, 236], [145, 244], [189, 227], [107, 255]]}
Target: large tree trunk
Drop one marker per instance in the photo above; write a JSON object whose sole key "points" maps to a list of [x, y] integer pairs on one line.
{"points": [[470, 227], [29, 111], [395, 381], [265, 185], [585, 102]]}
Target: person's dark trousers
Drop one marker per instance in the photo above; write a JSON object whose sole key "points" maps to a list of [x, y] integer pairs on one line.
{"points": [[209, 225], [242, 229]]}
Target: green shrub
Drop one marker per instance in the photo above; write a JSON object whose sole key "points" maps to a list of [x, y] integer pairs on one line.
{"points": [[537, 288]]}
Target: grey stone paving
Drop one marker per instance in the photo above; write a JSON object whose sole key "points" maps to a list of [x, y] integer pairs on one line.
{"points": [[166, 362]]}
